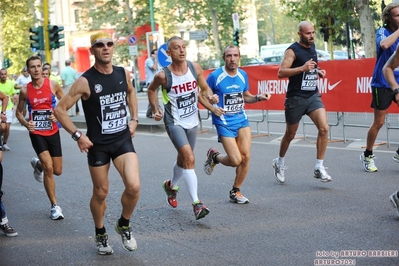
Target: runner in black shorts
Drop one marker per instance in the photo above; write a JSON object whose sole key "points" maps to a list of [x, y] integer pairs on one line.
{"points": [[108, 96], [387, 40], [300, 66], [40, 95]]}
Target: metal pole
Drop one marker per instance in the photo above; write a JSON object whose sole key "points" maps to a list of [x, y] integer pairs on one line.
{"points": [[45, 31], [152, 15]]}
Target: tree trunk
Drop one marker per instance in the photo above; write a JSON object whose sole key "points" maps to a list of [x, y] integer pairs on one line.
{"points": [[367, 27], [215, 31]]}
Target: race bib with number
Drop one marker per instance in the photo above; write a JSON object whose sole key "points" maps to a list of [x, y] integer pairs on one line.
{"points": [[42, 121], [186, 105], [233, 102], [114, 117], [309, 80]]}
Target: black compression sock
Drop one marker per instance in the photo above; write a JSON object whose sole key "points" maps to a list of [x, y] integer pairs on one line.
{"points": [[367, 153], [100, 231], [123, 222]]}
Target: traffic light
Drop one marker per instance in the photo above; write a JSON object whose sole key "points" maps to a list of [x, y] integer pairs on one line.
{"points": [[236, 37], [7, 63], [325, 33], [55, 36], [37, 38]]}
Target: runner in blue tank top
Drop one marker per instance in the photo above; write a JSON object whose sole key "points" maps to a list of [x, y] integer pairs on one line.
{"points": [[387, 39], [231, 85]]}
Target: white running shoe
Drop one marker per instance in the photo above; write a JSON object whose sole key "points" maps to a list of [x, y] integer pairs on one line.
{"points": [[368, 163], [56, 213], [396, 157], [322, 174], [128, 241], [103, 247], [6, 148], [37, 174], [279, 171], [395, 201]]}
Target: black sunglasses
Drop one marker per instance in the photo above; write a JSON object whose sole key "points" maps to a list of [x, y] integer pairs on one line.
{"points": [[101, 44]]}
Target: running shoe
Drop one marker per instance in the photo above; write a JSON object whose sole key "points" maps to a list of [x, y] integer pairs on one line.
{"points": [[171, 193], [368, 163], [210, 164], [8, 230], [396, 157], [128, 241], [395, 201], [103, 247], [56, 213], [237, 197], [5, 147], [37, 174], [200, 210], [279, 171], [322, 174]]}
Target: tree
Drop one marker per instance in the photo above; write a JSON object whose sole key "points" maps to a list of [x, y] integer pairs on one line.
{"points": [[16, 18], [343, 11]]}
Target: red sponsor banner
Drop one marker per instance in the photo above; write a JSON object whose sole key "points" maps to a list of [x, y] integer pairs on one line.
{"points": [[345, 88]]}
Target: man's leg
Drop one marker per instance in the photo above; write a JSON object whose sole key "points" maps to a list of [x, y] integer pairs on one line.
{"points": [[238, 154], [46, 164], [99, 177], [128, 167], [319, 118], [379, 120], [289, 135]]}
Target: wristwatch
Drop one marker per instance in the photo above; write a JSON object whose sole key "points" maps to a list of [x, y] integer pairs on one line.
{"points": [[396, 91], [76, 135]]}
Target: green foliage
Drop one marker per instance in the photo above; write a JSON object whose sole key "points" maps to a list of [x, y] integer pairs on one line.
{"points": [[16, 18], [343, 11]]}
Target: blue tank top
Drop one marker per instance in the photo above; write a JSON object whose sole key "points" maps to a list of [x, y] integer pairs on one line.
{"points": [[378, 79]]}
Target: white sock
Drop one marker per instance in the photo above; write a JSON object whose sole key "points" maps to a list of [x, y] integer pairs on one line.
{"points": [[177, 174], [191, 182], [319, 164], [281, 160]]}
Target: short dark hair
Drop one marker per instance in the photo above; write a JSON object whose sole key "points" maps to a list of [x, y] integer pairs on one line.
{"points": [[154, 50], [34, 57]]}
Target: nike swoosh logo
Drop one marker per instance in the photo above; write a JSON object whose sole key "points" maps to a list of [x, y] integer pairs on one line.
{"points": [[120, 82], [331, 87]]}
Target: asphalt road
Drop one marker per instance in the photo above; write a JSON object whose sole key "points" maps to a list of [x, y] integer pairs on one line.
{"points": [[303, 222]]}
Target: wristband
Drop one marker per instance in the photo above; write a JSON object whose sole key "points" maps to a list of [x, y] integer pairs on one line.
{"points": [[76, 135], [256, 97], [134, 120]]}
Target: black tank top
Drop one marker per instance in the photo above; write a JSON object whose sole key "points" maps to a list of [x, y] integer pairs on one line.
{"points": [[106, 110], [303, 84]]}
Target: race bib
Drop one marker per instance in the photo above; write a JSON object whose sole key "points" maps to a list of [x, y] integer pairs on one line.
{"points": [[42, 121], [114, 118], [186, 105], [309, 80], [233, 102]]}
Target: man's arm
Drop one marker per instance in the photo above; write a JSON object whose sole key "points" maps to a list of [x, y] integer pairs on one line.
{"points": [[206, 96], [386, 42], [79, 89], [133, 105], [4, 102], [20, 108], [285, 70], [56, 89], [388, 71], [159, 80]]}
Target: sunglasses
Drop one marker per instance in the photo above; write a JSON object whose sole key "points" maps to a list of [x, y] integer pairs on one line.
{"points": [[102, 45]]}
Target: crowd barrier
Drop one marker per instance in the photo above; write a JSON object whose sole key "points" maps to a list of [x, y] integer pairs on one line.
{"points": [[345, 91]]}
